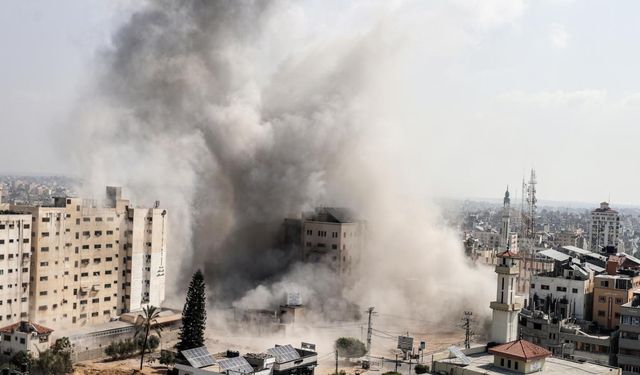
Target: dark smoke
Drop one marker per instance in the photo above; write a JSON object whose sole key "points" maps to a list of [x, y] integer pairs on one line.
{"points": [[236, 114]]}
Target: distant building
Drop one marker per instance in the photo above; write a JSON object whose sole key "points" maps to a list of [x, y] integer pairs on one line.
{"points": [[15, 252], [604, 228], [24, 336], [333, 236], [629, 343], [93, 261]]}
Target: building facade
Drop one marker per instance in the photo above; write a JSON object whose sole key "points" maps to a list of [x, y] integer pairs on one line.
{"points": [[604, 228], [610, 292], [93, 261], [333, 236], [629, 342], [504, 325], [567, 292], [15, 250]]}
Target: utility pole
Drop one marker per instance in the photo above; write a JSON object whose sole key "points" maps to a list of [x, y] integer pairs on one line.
{"points": [[467, 329], [369, 331], [336, 362], [396, 363]]}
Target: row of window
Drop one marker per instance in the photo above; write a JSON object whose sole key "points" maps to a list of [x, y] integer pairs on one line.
{"points": [[558, 288], [11, 240], [603, 299], [12, 226], [10, 270]]}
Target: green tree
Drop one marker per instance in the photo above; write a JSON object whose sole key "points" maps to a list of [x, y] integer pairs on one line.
{"points": [[55, 360], [421, 369], [146, 325], [194, 315], [350, 347]]}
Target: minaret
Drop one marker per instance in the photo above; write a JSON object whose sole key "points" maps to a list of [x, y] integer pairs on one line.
{"points": [[504, 325], [506, 217]]}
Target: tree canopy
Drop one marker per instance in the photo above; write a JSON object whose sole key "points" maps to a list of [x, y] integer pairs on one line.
{"points": [[194, 315], [350, 347]]}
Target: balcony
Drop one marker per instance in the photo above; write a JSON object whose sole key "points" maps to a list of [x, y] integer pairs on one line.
{"points": [[629, 344], [505, 306], [626, 359], [507, 270]]}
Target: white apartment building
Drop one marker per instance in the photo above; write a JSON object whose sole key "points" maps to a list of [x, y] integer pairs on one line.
{"points": [[15, 249], [94, 261], [571, 288], [604, 228], [333, 236]]}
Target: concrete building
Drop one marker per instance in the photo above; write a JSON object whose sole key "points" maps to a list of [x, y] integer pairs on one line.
{"points": [[333, 236], [24, 336], [93, 261], [610, 293], [629, 343], [15, 252], [504, 325], [604, 228], [566, 292], [566, 339]]}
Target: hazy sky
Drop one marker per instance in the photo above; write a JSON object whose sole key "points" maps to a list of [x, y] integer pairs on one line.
{"points": [[498, 87]]}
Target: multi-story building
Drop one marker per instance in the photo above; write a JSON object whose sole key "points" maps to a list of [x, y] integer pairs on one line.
{"points": [[93, 261], [334, 236], [610, 292], [566, 339], [604, 228], [566, 292], [629, 342], [15, 250]]}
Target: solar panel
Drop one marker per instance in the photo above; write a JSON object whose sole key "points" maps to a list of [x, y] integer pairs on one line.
{"points": [[236, 364], [198, 357], [460, 355], [284, 353]]}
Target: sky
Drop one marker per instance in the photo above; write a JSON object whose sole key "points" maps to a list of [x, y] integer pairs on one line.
{"points": [[495, 88]]}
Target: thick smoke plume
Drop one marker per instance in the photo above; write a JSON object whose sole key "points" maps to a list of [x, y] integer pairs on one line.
{"points": [[237, 114]]}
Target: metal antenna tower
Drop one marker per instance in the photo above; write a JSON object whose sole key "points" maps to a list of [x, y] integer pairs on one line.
{"points": [[531, 205]]}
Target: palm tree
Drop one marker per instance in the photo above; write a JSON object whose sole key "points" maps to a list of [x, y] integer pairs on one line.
{"points": [[147, 324]]}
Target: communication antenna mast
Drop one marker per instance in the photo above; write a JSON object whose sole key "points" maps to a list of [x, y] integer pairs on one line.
{"points": [[531, 205]]}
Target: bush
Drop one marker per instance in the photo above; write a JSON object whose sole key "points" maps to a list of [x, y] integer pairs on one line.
{"points": [[341, 372], [421, 369], [121, 349], [350, 347], [167, 358], [153, 342], [391, 373]]}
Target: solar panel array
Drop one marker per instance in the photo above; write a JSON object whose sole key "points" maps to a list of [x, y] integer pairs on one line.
{"points": [[236, 364], [284, 353], [460, 355], [198, 357]]}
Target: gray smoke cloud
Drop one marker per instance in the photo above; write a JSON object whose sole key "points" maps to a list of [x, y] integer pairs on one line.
{"points": [[237, 114]]}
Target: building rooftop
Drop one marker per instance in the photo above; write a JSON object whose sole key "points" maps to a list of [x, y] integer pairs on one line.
{"points": [[520, 349], [333, 215], [25, 327], [482, 363]]}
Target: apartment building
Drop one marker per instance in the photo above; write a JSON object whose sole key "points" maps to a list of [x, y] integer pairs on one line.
{"points": [[629, 342], [15, 249], [604, 229], [566, 292], [334, 236], [610, 293], [92, 261]]}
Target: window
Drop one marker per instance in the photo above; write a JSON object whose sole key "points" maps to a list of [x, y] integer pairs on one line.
{"points": [[26, 226], [43, 292], [515, 365], [544, 287], [45, 234], [509, 363], [86, 219], [561, 289], [44, 278], [309, 232], [95, 300], [502, 362], [533, 286], [44, 264], [44, 249], [619, 301], [46, 219], [98, 219], [604, 284], [602, 299], [574, 290], [601, 313]]}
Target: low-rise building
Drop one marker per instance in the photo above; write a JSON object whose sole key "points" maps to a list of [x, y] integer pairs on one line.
{"points": [[516, 357], [24, 336]]}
